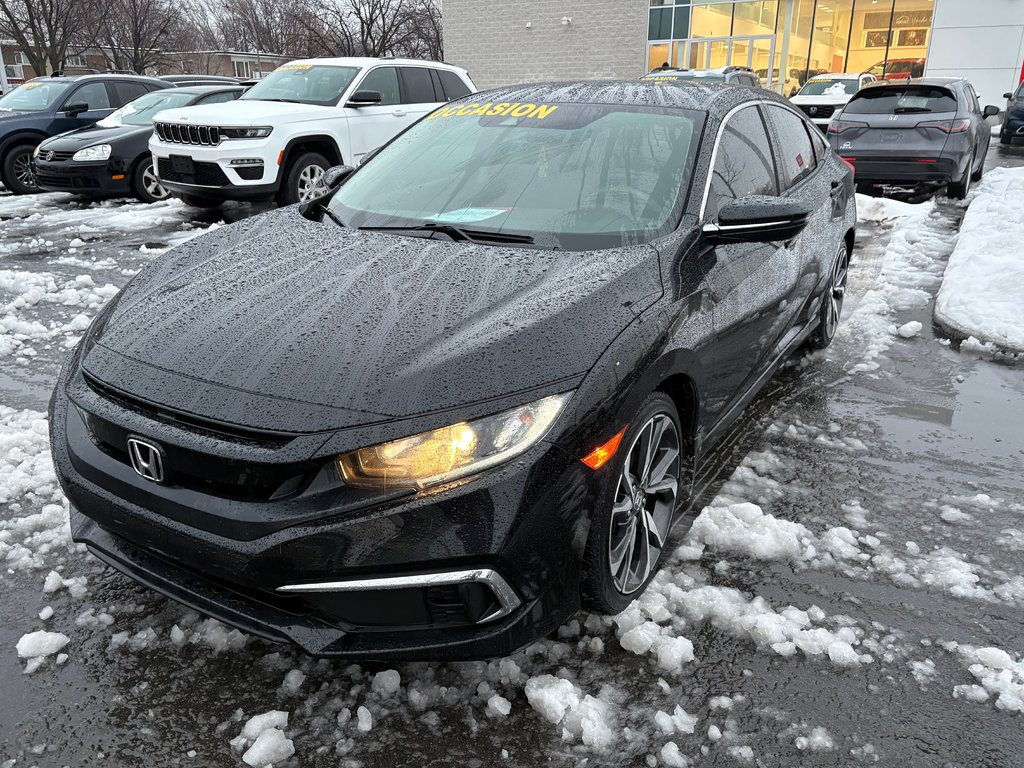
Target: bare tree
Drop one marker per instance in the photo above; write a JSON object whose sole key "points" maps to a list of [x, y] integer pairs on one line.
{"points": [[372, 27], [134, 33], [428, 40], [45, 29]]}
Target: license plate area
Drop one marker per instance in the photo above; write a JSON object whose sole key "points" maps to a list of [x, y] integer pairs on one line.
{"points": [[182, 164], [891, 136]]}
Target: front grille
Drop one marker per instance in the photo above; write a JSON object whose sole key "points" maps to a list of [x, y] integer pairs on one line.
{"points": [[818, 110], [67, 182], [204, 175], [55, 157], [175, 133]]}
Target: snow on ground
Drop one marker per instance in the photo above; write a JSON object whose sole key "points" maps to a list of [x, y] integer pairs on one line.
{"points": [[982, 293]]}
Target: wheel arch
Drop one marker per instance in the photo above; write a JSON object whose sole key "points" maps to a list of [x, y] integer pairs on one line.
{"points": [[25, 136], [322, 143]]}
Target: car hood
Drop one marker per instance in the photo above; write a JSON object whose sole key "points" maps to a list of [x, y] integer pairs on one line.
{"points": [[282, 323], [93, 134], [245, 113]]}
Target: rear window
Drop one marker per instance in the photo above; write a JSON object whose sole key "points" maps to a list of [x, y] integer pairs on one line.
{"points": [[454, 88], [896, 100], [838, 87]]}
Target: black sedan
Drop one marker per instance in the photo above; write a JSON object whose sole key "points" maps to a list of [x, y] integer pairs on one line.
{"points": [[929, 131], [112, 157], [470, 391]]}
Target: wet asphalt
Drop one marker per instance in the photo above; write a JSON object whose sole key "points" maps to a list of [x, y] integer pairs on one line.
{"points": [[938, 423]]}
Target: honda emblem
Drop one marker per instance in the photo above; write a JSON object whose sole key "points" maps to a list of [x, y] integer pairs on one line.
{"points": [[147, 459]]}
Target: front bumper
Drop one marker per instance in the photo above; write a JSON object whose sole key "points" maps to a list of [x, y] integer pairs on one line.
{"points": [[524, 523], [208, 171], [95, 179]]}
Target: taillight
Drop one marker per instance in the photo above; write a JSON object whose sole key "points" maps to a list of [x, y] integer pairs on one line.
{"points": [[840, 126], [849, 163], [947, 126]]}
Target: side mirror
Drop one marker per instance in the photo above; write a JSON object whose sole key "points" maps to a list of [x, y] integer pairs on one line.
{"points": [[334, 175], [757, 219], [991, 111], [313, 207], [1007, 95], [71, 110], [365, 99]]}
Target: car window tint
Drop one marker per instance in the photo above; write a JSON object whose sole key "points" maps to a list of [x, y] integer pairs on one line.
{"points": [[125, 92], [454, 88], [793, 141], [93, 94], [218, 98], [1020, 92], [418, 88], [743, 162], [972, 99], [384, 80], [897, 99]]}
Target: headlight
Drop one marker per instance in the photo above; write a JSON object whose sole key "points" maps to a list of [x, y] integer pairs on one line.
{"points": [[259, 132], [35, 152], [451, 452], [95, 152], [98, 324]]}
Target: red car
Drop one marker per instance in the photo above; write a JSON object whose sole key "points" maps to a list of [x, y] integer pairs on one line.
{"points": [[898, 69]]}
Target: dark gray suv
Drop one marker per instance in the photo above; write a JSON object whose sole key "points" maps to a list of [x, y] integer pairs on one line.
{"points": [[905, 133]]}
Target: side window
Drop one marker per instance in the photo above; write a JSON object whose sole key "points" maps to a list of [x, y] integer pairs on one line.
{"points": [[743, 162], [417, 87], [793, 142], [972, 99], [218, 98], [1020, 92], [125, 92], [454, 88], [384, 80], [94, 94]]}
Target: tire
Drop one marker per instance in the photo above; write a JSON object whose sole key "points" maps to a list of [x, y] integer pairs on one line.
{"points": [[145, 185], [867, 189], [832, 302], [18, 175], [976, 176], [635, 514], [301, 177], [958, 189], [1004, 138], [201, 202]]}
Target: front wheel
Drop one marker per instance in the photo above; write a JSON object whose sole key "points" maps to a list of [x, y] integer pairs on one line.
{"points": [[145, 184], [832, 302], [18, 174], [629, 529], [302, 181]]}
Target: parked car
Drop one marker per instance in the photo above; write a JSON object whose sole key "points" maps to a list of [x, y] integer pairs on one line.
{"points": [[897, 69], [181, 81], [823, 95], [728, 75], [304, 117], [925, 131], [112, 156], [46, 106], [1013, 119], [434, 412]]}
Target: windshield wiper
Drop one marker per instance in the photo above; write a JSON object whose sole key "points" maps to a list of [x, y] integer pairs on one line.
{"points": [[905, 110], [287, 101], [458, 233]]}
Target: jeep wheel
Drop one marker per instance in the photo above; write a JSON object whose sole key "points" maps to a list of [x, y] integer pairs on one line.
{"points": [[302, 180], [18, 174]]}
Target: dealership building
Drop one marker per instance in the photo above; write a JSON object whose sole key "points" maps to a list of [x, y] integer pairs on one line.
{"points": [[785, 41]]}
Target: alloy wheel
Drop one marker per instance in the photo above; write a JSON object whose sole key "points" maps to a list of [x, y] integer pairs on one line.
{"points": [[152, 184], [644, 504], [309, 183], [23, 172], [836, 293]]}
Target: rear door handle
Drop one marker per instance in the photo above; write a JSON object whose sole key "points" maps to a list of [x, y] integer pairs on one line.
{"points": [[398, 113]]}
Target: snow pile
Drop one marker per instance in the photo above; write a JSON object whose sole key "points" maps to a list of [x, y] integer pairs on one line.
{"points": [[998, 675], [982, 293], [36, 646], [583, 717], [263, 739]]}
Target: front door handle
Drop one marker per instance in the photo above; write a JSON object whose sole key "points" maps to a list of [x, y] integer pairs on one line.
{"points": [[398, 113]]}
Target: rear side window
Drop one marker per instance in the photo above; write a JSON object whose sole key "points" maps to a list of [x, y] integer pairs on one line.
{"points": [[384, 80], [125, 92], [743, 162], [453, 86], [219, 98], [896, 100], [417, 85], [795, 151]]}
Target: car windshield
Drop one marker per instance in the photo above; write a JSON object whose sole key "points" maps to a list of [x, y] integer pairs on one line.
{"points": [[895, 100], [34, 96], [572, 176], [303, 83], [844, 87], [143, 109]]}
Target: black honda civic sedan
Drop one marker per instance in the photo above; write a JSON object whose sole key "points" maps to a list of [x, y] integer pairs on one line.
{"points": [[470, 390], [112, 157]]}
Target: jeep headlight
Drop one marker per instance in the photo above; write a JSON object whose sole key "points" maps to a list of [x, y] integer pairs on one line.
{"points": [[451, 452], [95, 152], [257, 132]]}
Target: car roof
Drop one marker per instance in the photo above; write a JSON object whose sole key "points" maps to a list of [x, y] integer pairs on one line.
{"points": [[839, 76], [95, 76], [943, 82], [367, 61], [198, 90], [714, 98]]}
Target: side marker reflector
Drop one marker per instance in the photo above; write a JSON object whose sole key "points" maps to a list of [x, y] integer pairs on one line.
{"points": [[280, 157], [598, 457]]}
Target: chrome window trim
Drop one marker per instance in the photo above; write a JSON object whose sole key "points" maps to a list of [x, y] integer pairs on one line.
{"points": [[508, 600]]}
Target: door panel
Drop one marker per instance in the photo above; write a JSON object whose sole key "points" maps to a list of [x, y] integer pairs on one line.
{"points": [[95, 93], [371, 127]]}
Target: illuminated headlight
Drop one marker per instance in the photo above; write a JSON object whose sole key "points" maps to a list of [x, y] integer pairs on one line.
{"points": [[247, 161], [451, 452], [95, 152], [259, 132]]}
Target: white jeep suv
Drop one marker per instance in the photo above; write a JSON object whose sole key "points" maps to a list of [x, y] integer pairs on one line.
{"points": [[277, 139]]}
